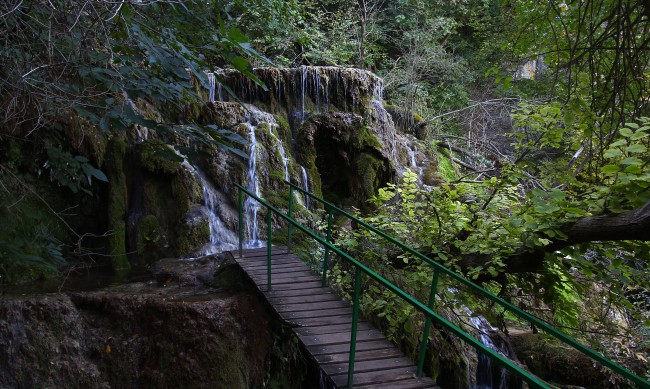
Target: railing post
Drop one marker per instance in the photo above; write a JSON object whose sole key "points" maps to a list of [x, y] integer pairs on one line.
{"points": [[241, 221], [327, 249], [427, 322], [269, 213], [355, 319], [289, 227]]}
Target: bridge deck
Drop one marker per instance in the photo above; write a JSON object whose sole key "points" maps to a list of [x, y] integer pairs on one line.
{"points": [[322, 321]]}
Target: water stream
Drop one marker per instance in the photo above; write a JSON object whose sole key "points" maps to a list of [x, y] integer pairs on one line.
{"points": [[305, 184], [484, 372], [221, 238], [251, 206]]}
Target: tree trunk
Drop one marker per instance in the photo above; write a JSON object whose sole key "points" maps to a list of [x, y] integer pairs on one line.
{"points": [[631, 225]]}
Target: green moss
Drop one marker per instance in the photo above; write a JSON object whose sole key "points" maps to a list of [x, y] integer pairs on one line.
{"points": [[367, 166], [277, 175], [156, 157], [367, 139], [284, 131], [191, 237], [117, 202], [150, 238], [445, 168], [117, 246]]}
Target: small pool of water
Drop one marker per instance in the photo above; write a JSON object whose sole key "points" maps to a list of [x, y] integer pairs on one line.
{"points": [[78, 280]]}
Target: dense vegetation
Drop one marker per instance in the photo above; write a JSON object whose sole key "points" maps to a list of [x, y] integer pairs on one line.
{"points": [[541, 107]]}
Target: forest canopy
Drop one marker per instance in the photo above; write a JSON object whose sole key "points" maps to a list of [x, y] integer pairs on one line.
{"points": [[537, 111]]}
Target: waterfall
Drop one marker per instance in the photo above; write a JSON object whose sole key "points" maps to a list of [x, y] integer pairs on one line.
{"points": [[221, 238], [484, 378], [283, 154], [251, 206], [303, 87], [305, 184], [411, 153], [211, 86]]}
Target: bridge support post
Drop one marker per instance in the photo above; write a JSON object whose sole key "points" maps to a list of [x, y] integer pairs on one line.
{"points": [[427, 323], [327, 249], [241, 221], [268, 249], [355, 320], [289, 227]]}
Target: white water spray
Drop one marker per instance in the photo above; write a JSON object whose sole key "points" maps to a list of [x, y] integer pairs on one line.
{"points": [[251, 206], [305, 184]]}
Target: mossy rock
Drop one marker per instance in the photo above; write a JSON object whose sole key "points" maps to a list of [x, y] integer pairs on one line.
{"points": [[558, 363], [431, 176], [193, 232], [150, 238], [117, 246], [157, 157]]}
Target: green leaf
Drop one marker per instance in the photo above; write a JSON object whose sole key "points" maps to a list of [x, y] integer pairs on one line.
{"points": [[612, 153], [626, 132], [639, 135], [632, 161], [636, 148], [608, 169]]}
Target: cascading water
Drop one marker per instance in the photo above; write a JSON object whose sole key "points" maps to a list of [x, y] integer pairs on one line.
{"points": [[303, 88], [283, 154], [305, 184], [221, 238], [211, 86], [251, 206], [484, 377], [411, 153]]}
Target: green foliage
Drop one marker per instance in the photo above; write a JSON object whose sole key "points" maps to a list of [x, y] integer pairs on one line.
{"points": [[75, 173], [30, 235]]}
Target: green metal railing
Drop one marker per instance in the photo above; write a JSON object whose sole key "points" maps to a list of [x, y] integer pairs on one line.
{"points": [[427, 310]]}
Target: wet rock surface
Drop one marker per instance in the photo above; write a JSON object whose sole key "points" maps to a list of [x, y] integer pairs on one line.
{"points": [[184, 328]]}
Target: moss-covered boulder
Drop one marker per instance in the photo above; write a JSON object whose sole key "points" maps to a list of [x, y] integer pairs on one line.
{"points": [[193, 231], [557, 363], [117, 202]]}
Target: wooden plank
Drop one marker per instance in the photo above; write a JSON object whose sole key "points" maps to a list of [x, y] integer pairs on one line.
{"points": [[413, 383], [316, 313], [281, 275], [330, 329], [261, 261], [324, 305], [340, 338], [274, 267], [297, 292], [251, 253], [344, 357], [343, 347], [282, 280], [307, 299], [366, 366], [376, 377], [321, 320], [294, 286]]}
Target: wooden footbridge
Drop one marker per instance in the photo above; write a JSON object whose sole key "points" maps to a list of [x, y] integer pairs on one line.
{"points": [[348, 349], [322, 322]]}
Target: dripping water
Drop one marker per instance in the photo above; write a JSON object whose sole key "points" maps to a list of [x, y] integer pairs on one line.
{"points": [[283, 155], [221, 238], [251, 206], [305, 184], [303, 86], [211, 86], [411, 153], [484, 378]]}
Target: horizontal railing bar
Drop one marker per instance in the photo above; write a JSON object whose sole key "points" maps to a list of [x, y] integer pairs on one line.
{"points": [[501, 360], [522, 314]]}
